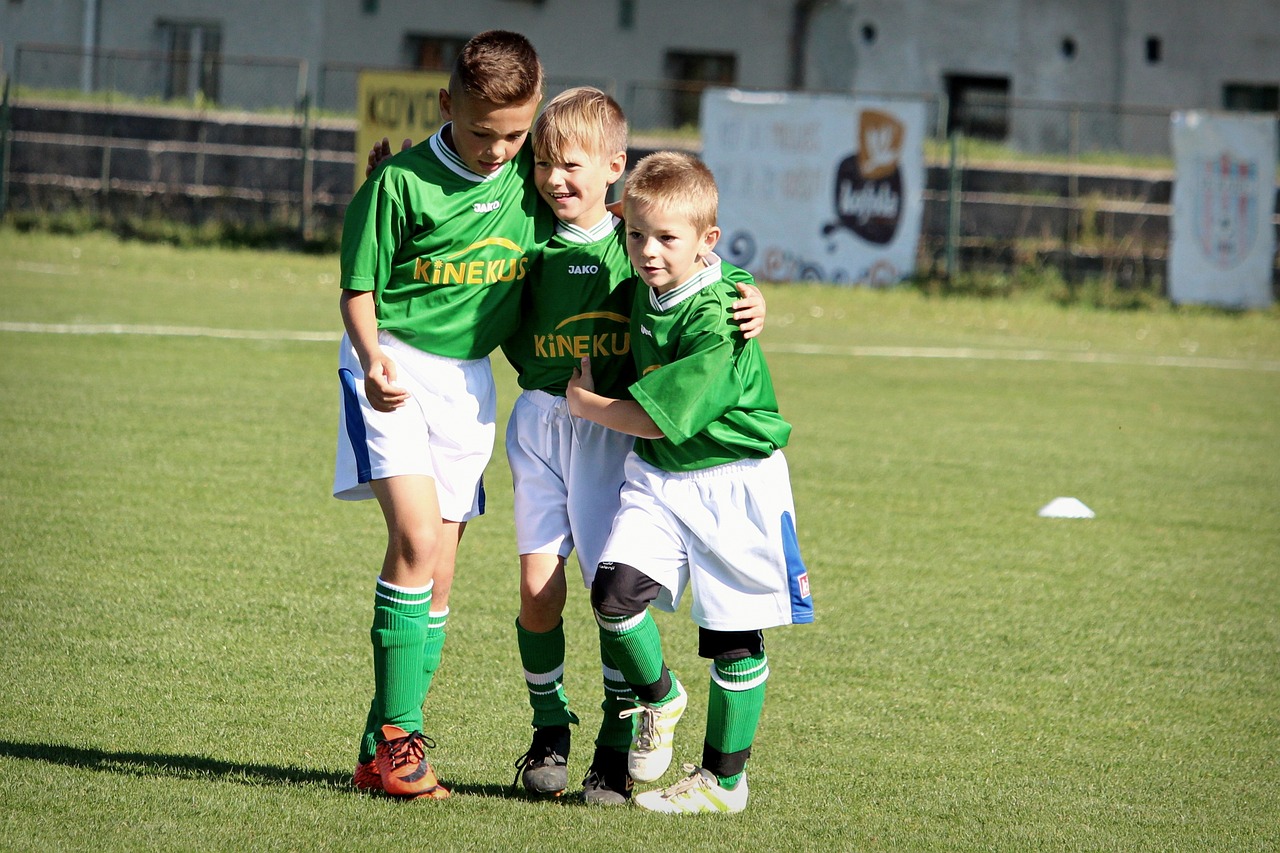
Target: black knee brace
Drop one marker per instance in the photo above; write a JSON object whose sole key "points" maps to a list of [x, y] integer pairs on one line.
{"points": [[729, 645], [622, 590]]}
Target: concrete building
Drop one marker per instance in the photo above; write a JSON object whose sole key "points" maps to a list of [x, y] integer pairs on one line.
{"points": [[1042, 74]]}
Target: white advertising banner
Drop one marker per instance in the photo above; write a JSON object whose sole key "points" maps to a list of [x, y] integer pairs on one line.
{"points": [[816, 187], [1222, 240]]}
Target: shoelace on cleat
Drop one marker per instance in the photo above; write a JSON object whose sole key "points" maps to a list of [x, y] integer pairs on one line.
{"points": [[410, 748], [692, 781], [647, 733]]}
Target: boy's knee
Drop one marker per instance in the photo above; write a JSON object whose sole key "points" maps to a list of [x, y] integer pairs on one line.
{"points": [[622, 590], [729, 646]]}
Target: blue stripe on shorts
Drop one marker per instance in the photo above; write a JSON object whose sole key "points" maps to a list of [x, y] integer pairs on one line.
{"points": [[797, 574], [355, 424]]}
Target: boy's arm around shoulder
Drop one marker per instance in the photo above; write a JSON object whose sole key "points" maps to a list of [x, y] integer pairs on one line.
{"points": [[624, 416]]}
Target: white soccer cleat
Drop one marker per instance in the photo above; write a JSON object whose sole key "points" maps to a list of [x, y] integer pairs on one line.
{"points": [[650, 752], [697, 793]]}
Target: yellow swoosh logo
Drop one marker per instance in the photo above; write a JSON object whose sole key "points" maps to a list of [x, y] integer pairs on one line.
{"points": [[593, 315], [490, 241]]}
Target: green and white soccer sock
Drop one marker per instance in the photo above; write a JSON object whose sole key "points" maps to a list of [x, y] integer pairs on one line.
{"points": [[542, 656], [432, 650], [399, 635], [615, 732], [633, 642], [734, 704]]}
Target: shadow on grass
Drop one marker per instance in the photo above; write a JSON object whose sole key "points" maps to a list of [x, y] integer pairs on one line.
{"points": [[196, 767]]}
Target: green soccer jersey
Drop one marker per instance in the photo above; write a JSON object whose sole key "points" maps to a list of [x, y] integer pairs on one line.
{"points": [[578, 303], [445, 251], [705, 386]]}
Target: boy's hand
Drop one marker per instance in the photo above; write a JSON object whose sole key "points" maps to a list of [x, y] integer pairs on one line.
{"points": [[381, 388], [580, 381], [381, 151], [748, 312]]}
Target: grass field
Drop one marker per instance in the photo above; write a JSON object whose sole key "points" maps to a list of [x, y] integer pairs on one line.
{"points": [[186, 610]]}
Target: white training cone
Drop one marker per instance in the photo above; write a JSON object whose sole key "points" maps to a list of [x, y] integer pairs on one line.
{"points": [[1065, 508]]}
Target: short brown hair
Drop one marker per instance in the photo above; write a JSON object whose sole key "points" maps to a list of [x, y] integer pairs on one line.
{"points": [[497, 67], [678, 182], [582, 116]]}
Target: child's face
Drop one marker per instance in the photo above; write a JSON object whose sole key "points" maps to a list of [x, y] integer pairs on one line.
{"points": [[486, 135], [664, 247], [576, 183]]}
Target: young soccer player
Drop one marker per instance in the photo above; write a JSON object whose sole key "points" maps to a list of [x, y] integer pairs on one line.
{"points": [[567, 473], [707, 501], [435, 249]]}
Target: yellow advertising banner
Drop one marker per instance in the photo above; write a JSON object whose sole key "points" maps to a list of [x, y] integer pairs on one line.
{"points": [[397, 105]]}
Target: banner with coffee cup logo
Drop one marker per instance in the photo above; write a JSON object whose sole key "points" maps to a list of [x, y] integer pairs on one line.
{"points": [[816, 187]]}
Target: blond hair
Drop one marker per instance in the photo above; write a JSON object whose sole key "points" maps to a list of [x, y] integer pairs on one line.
{"points": [[584, 117], [675, 182], [497, 67]]}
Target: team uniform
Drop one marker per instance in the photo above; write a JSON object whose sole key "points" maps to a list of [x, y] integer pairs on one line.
{"points": [[567, 471], [446, 253], [706, 506], [709, 505]]}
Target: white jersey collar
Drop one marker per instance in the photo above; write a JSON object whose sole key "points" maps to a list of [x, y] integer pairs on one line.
{"points": [[689, 287], [454, 163], [577, 234]]}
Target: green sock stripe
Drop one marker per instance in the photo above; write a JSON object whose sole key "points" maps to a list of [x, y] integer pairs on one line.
{"points": [[402, 599], [436, 621], [542, 656], [634, 645], [742, 674]]}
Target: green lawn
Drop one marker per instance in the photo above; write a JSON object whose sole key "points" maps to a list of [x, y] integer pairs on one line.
{"points": [[186, 610]]}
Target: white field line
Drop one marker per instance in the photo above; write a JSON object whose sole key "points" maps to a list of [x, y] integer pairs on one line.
{"points": [[956, 353]]}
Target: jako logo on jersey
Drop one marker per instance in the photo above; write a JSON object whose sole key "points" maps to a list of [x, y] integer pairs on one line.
{"points": [[449, 270], [583, 269], [487, 207], [645, 331], [595, 345]]}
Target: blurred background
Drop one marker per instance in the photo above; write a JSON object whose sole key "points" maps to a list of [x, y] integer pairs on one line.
{"points": [[1048, 119]]}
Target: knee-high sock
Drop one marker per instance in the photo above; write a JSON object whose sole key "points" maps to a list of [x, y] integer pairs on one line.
{"points": [[734, 703], [636, 647], [399, 635], [542, 656], [431, 650], [615, 733]]}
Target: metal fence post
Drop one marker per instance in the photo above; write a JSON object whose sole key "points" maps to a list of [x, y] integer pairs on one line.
{"points": [[953, 207], [4, 150], [305, 212]]}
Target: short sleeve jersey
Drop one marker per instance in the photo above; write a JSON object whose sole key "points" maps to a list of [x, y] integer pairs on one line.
{"points": [[445, 251], [705, 386], [578, 303]]}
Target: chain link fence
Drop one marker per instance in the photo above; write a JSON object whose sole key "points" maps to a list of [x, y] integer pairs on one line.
{"points": [[1011, 184]]}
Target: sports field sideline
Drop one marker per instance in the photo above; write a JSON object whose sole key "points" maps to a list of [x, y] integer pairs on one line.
{"points": [[186, 609]]}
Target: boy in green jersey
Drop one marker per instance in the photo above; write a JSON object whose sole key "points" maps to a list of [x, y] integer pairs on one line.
{"points": [[707, 501], [566, 472], [436, 246]]}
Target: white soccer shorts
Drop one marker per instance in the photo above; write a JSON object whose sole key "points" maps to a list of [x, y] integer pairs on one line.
{"points": [[567, 473], [445, 431], [727, 531]]}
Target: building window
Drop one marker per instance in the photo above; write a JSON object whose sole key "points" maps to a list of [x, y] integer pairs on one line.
{"points": [[1069, 48], [370, 6], [1153, 50], [869, 33], [194, 59], [979, 105], [695, 72], [434, 53], [1251, 97], [626, 14]]}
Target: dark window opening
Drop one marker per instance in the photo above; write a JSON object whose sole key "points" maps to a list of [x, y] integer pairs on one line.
{"points": [[695, 72], [434, 53], [1251, 97], [1154, 47], [626, 14], [869, 33], [194, 59], [1069, 47], [979, 105]]}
